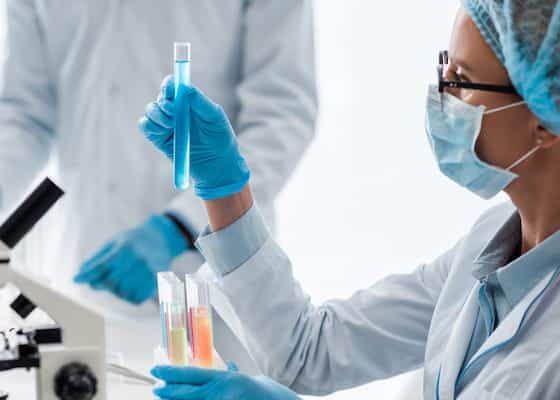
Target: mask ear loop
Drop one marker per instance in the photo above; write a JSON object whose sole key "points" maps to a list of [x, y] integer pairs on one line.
{"points": [[498, 109], [526, 156]]}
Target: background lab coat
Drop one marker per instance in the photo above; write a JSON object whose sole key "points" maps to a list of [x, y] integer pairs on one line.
{"points": [[77, 77]]}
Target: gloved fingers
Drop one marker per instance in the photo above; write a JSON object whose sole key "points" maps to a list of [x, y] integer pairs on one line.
{"points": [[138, 298], [97, 282], [179, 392], [92, 270], [107, 280], [126, 294], [188, 375], [100, 282], [112, 281], [160, 137], [167, 106], [156, 115], [231, 366], [150, 128], [141, 293], [141, 288], [89, 273], [203, 107], [121, 278], [100, 256], [95, 279], [131, 279], [168, 87], [99, 285]]}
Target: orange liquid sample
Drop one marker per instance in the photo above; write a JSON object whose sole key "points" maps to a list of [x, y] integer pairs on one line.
{"points": [[202, 343]]}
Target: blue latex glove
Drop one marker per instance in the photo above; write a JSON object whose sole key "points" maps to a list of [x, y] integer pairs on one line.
{"points": [[127, 265], [217, 168], [189, 383]]}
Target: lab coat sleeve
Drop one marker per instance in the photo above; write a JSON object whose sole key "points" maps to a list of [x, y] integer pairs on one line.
{"points": [[378, 332], [27, 103], [277, 101]]}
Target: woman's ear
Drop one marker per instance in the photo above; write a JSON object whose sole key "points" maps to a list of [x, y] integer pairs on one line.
{"points": [[543, 137], [546, 139]]}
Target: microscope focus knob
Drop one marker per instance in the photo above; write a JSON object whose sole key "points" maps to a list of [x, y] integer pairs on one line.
{"points": [[75, 381]]}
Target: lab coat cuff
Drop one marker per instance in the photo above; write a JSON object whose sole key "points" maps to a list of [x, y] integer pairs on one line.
{"points": [[190, 211], [229, 248]]}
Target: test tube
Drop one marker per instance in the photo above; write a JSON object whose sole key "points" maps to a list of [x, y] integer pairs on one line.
{"points": [[200, 321], [181, 143], [172, 317]]}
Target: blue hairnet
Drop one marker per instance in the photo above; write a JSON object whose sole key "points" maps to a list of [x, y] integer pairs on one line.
{"points": [[525, 35]]}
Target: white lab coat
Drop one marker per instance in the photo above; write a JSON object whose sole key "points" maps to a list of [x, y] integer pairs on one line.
{"points": [[403, 322], [76, 79]]}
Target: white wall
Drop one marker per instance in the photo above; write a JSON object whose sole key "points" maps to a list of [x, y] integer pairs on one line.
{"points": [[368, 199]]}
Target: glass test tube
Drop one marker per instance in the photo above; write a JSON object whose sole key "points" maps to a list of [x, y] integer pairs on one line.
{"points": [[181, 143], [172, 316], [200, 321]]}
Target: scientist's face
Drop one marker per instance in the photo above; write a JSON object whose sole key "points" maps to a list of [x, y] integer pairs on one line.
{"points": [[507, 135]]}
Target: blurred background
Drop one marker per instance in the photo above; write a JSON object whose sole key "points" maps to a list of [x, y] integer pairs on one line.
{"points": [[368, 200]]}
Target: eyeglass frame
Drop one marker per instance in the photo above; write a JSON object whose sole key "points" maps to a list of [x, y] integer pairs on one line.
{"points": [[443, 59]]}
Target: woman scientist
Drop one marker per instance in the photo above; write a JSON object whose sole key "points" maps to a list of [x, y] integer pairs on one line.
{"points": [[483, 319]]}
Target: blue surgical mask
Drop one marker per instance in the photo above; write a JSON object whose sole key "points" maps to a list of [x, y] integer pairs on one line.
{"points": [[453, 126]]}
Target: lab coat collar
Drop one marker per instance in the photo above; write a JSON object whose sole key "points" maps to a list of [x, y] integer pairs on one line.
{"points": [[522, 274], [463, 329], [499, 248], [509, 327]]}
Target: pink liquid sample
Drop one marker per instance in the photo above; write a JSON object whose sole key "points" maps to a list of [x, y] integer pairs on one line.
{"points": [[201, 336]]}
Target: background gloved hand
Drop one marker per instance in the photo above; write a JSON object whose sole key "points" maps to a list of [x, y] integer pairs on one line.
{"points": [[127, 265], [217, 168], [189, 383]]}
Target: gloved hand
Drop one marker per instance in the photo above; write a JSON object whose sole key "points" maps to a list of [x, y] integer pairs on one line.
{"points": [[127, 265], [217, 168], [189, 383]]}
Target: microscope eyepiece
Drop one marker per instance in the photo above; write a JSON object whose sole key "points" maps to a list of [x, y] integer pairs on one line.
{"points": [[33, 208]]}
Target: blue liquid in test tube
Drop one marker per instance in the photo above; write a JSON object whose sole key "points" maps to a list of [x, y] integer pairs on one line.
{"points": [[181, 144]]}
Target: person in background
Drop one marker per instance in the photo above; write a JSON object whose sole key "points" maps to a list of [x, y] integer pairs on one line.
{"points": [[483, 317], [72, 83]]}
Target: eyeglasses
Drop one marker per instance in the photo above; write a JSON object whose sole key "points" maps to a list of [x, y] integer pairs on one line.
{"points": [[442, 70]]}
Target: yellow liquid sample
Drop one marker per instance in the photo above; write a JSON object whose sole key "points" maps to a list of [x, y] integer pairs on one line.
{"points": [[202, 337], [177, 347]]}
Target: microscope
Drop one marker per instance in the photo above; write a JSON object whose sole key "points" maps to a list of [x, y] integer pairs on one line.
{"points": [[69, 357]]}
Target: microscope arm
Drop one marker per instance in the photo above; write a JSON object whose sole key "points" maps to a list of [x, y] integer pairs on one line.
{"points": [[80, 325]]}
